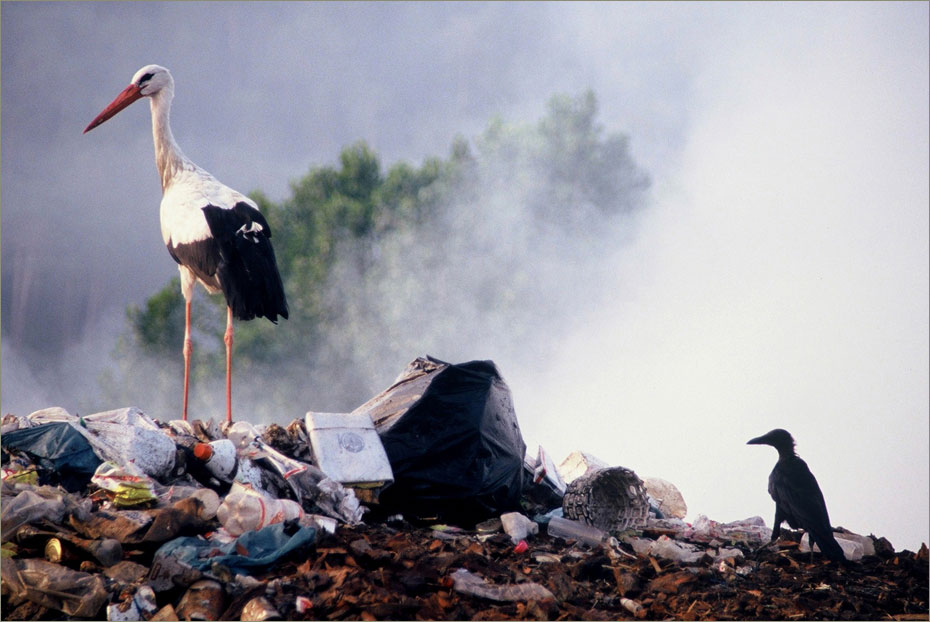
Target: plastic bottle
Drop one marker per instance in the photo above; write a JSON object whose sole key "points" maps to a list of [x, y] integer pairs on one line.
{"points": [[219, 457], [573, 530], [244, 509], [199, 468]]}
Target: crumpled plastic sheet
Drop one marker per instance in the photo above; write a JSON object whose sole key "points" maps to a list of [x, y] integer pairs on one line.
{"points": [[466, 582], [24, 503], [152, 451], [261, 549], [77, 594], [27, 507]]}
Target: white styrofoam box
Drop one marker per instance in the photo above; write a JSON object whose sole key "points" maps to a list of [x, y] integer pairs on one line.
{"points": [[348, 449]]}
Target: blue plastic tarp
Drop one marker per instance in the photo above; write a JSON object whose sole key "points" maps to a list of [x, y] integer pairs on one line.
{"points": [[59, 449]]}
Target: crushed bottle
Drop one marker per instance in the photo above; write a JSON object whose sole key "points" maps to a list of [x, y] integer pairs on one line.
{"points": [[568, 529], [244, 509]]}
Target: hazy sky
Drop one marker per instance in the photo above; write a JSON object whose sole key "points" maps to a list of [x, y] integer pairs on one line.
{"points": [[779, 276]]}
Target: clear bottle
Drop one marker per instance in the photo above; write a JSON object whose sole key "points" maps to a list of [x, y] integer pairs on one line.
{"points": [[573, 530], [244, 510]]}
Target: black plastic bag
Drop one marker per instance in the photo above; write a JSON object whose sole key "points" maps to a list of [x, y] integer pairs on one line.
{"points": [[452, 438], [62, 453]]}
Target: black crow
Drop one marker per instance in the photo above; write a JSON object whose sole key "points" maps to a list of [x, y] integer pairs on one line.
{"points": [[797, 496]]}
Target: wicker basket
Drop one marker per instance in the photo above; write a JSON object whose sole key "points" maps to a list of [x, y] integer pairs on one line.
{"points": [[611, 499]]}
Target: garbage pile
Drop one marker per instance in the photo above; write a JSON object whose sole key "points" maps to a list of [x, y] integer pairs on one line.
{"points": [[423, 503]]}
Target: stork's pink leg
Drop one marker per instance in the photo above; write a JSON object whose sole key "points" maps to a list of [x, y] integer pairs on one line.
{"points": [[228, 338], [188, 349]]}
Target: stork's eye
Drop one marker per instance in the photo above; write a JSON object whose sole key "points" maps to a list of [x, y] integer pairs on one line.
{"points": [[145, 78]]}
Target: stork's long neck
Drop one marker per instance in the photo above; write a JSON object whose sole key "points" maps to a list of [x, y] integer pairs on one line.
{"points": [[168, 156]]}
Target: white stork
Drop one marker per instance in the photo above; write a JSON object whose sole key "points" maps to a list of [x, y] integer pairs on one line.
{"points": [[216, 235]]}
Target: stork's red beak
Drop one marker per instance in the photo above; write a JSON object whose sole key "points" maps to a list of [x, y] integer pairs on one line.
{"points": [[130, 94]]}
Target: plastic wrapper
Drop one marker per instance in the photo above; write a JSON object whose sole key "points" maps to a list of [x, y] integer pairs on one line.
{"points": [[140, 606], [126, 486], [121, 436], [20, 470], [241, 433]]}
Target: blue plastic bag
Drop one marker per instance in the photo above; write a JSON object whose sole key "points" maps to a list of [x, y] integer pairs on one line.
{"points": [[264, 547], [59, 449]]}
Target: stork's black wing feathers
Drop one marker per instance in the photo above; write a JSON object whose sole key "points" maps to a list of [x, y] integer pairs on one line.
{"points": [[247, 269], [799, 500], [201, 257]]}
